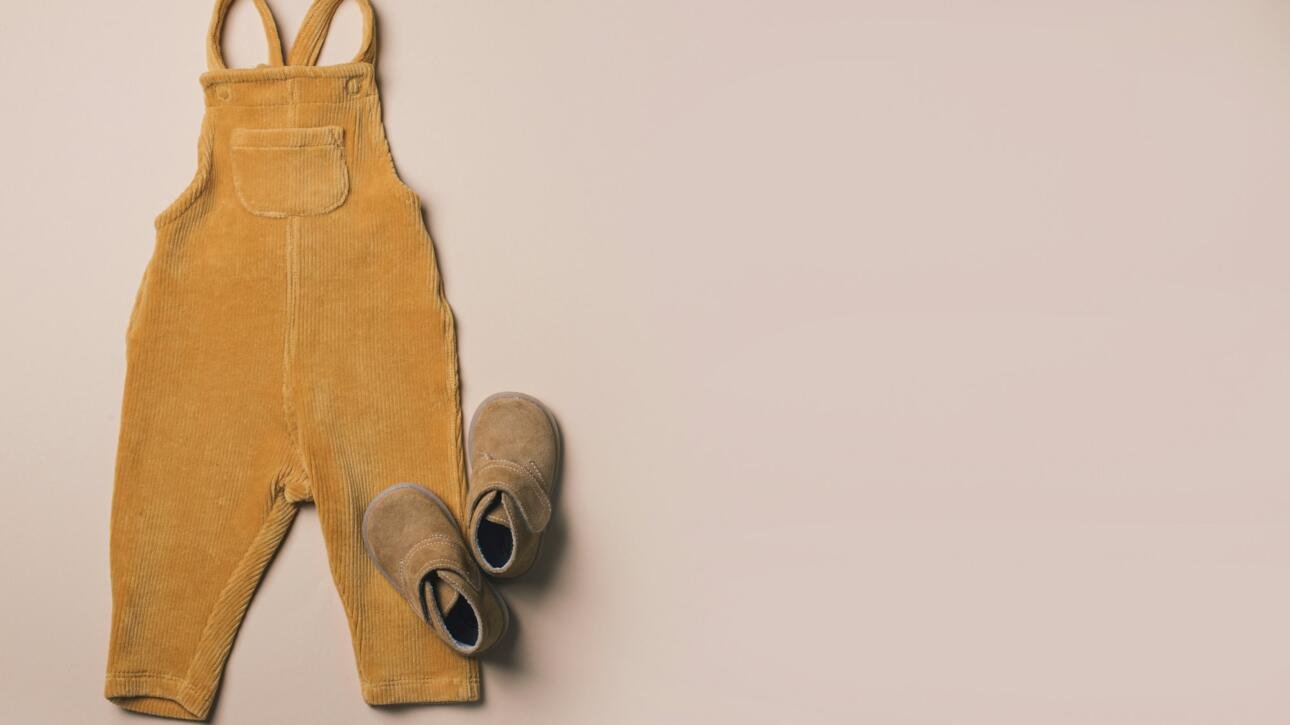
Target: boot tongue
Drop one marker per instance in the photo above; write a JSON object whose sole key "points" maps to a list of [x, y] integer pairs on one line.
{"points": [[445, 594], [500, 509]]}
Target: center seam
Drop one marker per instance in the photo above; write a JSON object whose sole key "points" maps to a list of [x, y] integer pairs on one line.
{"points": [[290, 336]]}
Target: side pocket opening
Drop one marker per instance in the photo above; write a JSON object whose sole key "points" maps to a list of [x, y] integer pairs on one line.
{"points": [[132, 326]]}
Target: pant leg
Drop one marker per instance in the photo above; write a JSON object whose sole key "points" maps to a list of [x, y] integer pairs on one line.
{"points": [[204, 467], [379, 405]]}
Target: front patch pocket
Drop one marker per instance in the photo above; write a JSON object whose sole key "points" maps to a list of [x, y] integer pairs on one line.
{"points": [[282, 172]]}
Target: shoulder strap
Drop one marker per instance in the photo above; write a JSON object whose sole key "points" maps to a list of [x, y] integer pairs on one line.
{"points": [[215, 56], [313, 32]]}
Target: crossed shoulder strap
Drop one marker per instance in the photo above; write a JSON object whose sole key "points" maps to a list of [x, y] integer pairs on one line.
{"points": [[309, 42], [313, 32]]}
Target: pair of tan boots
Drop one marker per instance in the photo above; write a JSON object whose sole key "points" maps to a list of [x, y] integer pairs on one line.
{"points": [[418, 546]]}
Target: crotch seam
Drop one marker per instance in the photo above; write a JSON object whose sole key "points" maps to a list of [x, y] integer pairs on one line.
{"points": [[296, 486]]}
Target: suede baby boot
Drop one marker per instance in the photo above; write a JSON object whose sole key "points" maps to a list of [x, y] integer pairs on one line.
{"points": [[514, 461], [416, 544]]}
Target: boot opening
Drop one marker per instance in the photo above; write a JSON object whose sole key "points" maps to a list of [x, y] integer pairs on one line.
{"points": [[462, 624], [496, 543], [460, 620]]}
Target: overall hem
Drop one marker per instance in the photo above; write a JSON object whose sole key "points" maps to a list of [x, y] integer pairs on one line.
{"points": [[160, 695], [421, 690]]}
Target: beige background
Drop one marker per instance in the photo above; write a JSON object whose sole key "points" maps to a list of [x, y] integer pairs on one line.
{"points": [[919, 362]]}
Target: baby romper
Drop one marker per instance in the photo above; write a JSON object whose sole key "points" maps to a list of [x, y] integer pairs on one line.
{"points": [[290, 342]]}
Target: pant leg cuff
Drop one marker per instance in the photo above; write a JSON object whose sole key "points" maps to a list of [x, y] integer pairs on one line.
{"points": [[160, 695], [421, 690]]}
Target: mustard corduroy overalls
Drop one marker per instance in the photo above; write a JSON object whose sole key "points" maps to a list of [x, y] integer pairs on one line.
{"points": [[290, 342]]}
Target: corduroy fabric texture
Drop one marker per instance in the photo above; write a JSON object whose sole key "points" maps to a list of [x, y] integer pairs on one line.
{"points": [[290, 342]]}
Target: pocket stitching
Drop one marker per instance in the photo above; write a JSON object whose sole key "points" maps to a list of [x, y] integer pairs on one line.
{"points": [[339, 164]]}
